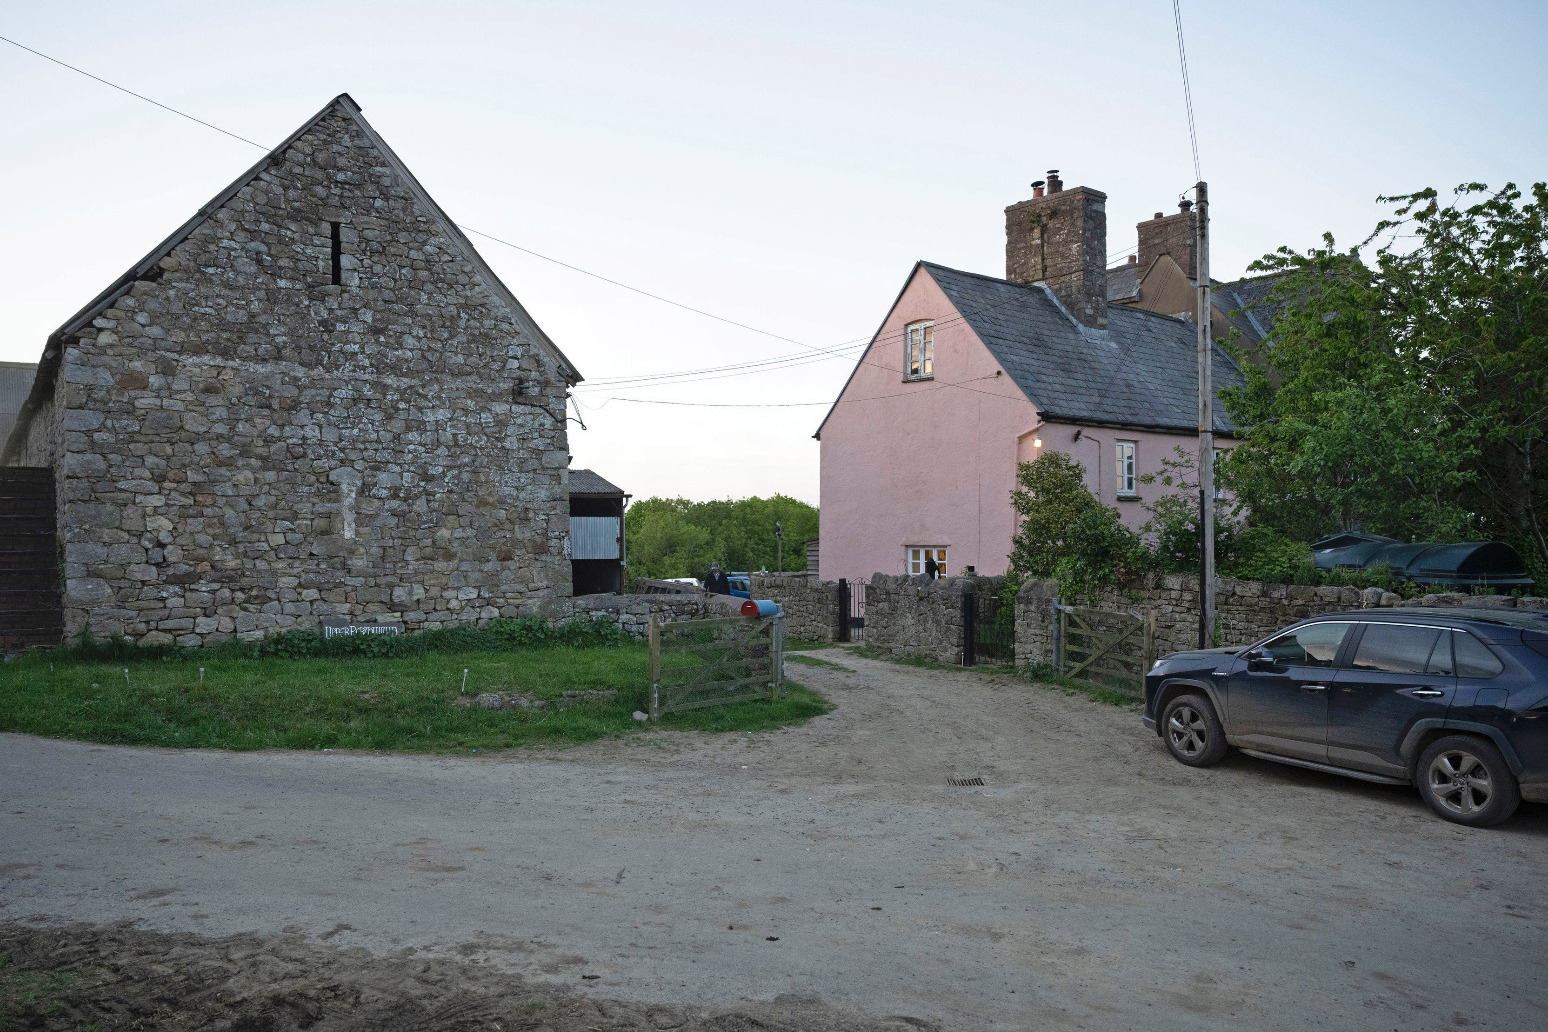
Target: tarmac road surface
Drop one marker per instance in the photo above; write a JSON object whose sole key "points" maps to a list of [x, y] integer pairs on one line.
{"points": [[1091, 882]]}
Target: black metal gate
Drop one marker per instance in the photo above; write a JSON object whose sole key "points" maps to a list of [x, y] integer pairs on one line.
{"points": [[988, 628], [850, 610]]}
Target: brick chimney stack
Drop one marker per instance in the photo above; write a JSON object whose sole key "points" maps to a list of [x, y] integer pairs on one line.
{"points": [[1170, 234], [1060, 238]]}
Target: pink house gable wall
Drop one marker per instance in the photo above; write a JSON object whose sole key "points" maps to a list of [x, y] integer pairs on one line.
{"points": [[929, 462], [1097, 451]]}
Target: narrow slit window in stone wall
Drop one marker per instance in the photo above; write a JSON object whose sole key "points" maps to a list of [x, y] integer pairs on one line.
{"points": [[338, 254]]}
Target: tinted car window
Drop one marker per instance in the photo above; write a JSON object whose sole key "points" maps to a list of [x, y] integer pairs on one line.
{"points": [[1312, 645], [1398, 649], [1474, 658]]}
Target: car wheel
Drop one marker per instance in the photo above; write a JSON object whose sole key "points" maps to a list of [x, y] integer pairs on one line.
{"points": [[1192, 731], [1466, 780]]}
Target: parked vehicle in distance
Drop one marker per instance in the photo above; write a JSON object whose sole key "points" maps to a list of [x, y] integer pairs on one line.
{"points": [[696, 582], [741, 584], [1452, 701]]}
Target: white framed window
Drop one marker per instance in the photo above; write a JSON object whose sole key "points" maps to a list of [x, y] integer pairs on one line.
{"points": [[1124, 464], [918, 556], [919, 360]]}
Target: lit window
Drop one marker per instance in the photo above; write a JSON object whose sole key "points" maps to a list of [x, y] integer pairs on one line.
{"points": [[1125, 467], [919, 363], [919, 557]]}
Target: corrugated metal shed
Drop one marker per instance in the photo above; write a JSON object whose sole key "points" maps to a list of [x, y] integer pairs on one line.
{"points": [[15, 385]]}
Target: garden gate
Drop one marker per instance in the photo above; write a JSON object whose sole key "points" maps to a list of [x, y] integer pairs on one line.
{"points": [[1112, 650]]}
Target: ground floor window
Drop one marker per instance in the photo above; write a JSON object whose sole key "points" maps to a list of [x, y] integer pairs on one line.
{"points": [[919, 557], [1125, 463]]}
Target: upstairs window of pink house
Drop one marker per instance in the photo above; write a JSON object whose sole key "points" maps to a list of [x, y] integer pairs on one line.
{"points": [[917, 556], [919, 363], [1125, 465]]}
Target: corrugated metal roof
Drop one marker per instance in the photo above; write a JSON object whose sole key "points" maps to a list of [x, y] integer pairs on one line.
{"points": [[15, 384], [1142, 371], [584, 483]]}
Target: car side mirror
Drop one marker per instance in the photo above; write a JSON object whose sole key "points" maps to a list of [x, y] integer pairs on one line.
{"points": [[1260, 659]]}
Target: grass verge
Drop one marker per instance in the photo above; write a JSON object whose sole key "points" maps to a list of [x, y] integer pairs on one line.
{"points": [[815, 661], [389, 704], [802, 645], [1043, 675]]}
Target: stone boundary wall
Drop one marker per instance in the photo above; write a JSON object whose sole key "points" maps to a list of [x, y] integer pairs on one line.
{"points": [[1247, 610], [917, 618], [810, 605], [633, 612]]}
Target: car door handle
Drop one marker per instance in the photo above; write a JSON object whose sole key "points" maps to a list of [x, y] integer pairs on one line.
{"points": [[1426, 693], [1314, 687]]}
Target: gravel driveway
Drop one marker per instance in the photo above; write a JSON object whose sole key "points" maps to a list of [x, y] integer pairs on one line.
{"points": [[1091, 882]]}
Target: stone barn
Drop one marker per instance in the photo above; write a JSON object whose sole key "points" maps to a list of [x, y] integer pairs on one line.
{"points": [[313, 400]]}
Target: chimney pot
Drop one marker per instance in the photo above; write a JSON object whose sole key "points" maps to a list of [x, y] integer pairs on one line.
{"points": [[1133, 258], [1037, 188], [1185, 205], [1159, 215], [1055, 184]]}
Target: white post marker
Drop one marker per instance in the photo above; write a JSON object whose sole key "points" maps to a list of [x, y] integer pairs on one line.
{"points": [[464, 680], [201, 675]]}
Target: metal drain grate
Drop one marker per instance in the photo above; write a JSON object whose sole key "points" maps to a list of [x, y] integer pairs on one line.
{"points": [[965, 782]]}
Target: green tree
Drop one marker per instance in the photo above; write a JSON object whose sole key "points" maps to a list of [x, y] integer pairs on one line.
{"points": [[1405, 394], [673, 537], [1050, 496]]}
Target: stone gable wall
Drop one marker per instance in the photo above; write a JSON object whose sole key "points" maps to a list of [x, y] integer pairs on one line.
{"points": [[248, 447]]}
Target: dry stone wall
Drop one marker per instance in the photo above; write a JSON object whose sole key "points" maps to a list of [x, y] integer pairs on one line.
{"points": [[633, 612], [920, 618], [810, 605], [248, 447], [1247, 610]]}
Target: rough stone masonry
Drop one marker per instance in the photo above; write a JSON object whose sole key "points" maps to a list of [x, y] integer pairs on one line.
{"points": [[314, 399]]}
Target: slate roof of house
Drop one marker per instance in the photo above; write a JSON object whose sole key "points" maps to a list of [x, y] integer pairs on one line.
{"points": [[1244, 302], [584, 483], [1123, 281], [1141, 372]]}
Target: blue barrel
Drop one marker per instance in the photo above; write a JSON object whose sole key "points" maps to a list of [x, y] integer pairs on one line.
{"points": [[760, 607]]}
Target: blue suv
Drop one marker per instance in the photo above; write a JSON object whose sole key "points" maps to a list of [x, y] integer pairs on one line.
{"points": [[1452, 701]]}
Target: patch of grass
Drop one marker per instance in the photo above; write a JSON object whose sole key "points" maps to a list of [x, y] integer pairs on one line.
{"points": [[932, 664], [802, 645], [24, 991], [813, 661], [1044, 675], [396, 704]]}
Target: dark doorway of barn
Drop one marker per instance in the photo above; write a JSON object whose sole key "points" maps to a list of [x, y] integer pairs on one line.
{"points": [[30, 613]]}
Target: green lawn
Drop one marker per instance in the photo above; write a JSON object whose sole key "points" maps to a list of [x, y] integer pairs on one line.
{"points": [[387, 704]]}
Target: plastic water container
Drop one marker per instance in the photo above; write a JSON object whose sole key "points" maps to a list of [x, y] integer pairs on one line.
{"points": [[760, 607]]}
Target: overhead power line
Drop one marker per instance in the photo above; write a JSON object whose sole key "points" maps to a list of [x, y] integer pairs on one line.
{"points": [[1182, 57], [468, 229]]}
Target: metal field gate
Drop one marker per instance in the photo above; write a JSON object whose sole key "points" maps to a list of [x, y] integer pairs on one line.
{"points": [[699, 663], [1112, 650]]}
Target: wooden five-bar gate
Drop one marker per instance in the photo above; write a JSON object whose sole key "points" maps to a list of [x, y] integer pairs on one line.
{"points": [[699, 663], [1110, 649]]}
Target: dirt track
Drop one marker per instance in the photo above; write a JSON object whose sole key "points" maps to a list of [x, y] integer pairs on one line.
{"points": [[1092, 882]]}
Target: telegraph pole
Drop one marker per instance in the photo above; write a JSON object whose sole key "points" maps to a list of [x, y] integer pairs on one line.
{"points": [[1206, 429]]}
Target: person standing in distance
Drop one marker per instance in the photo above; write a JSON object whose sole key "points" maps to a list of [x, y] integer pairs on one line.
{"points": [[716, 583]]}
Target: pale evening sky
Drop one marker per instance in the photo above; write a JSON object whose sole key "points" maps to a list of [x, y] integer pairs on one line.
{"points": [[780, 165]]}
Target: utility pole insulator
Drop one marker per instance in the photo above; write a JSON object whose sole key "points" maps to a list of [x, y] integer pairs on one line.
{"points": [[1206, 429]]}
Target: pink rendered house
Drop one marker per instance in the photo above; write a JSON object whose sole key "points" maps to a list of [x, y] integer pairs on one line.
{"points": [[970, 375]]}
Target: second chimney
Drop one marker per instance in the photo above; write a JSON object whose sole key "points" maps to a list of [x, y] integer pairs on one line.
{"points": [[1061, 239], [1170, 234]]}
